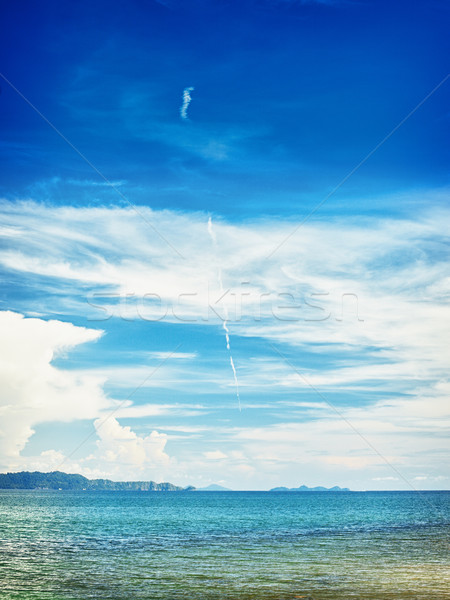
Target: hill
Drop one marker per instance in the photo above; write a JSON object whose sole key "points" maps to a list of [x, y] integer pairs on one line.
{"points": [[57, 480], [214, 487]]}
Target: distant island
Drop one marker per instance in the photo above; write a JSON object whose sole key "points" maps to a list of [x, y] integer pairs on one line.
{"points": [[214, 487], [305, 488], [64, 481], [57, 480]]}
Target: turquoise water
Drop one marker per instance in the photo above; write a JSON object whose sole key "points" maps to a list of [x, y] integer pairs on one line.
{"points": [[241, 545]]}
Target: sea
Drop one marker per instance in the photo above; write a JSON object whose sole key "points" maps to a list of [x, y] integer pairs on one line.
{"points": [[60, 545]]}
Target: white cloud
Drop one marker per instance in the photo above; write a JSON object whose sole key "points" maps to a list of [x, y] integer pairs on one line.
{"points": [[121, 454], [307, 294], [215, 455], [123, 448], [410, 434], [32, 390], [173, 355], [186, 101], [151, 410]]}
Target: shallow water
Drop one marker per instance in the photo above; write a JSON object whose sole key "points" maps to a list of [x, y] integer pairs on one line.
{"points": [[241, 545]]}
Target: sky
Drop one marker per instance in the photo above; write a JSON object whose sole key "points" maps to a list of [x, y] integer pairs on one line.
{"points": [[224, 241]]}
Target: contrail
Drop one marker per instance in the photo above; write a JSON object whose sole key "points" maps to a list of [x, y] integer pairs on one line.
{"points": [[186, 101], [225, 321]]}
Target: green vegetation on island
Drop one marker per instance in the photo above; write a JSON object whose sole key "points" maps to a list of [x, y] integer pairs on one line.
{"points": [[57, 480]]}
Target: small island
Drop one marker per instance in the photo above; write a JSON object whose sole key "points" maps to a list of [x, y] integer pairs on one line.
{"points": [[305, 488], [58, 480], [214, 487]]}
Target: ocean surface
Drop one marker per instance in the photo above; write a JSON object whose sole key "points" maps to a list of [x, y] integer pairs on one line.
{"points": [[238, 545]]}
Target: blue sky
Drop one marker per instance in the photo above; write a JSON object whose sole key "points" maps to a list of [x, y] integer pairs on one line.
{"points": [[114, 296]]}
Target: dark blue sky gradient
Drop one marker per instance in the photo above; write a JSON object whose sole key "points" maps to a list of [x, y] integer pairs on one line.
{"points": [[288, 98]]}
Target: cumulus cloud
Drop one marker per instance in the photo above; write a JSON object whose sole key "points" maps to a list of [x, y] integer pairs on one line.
{"points": [[124, 448], [32, 389]]}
